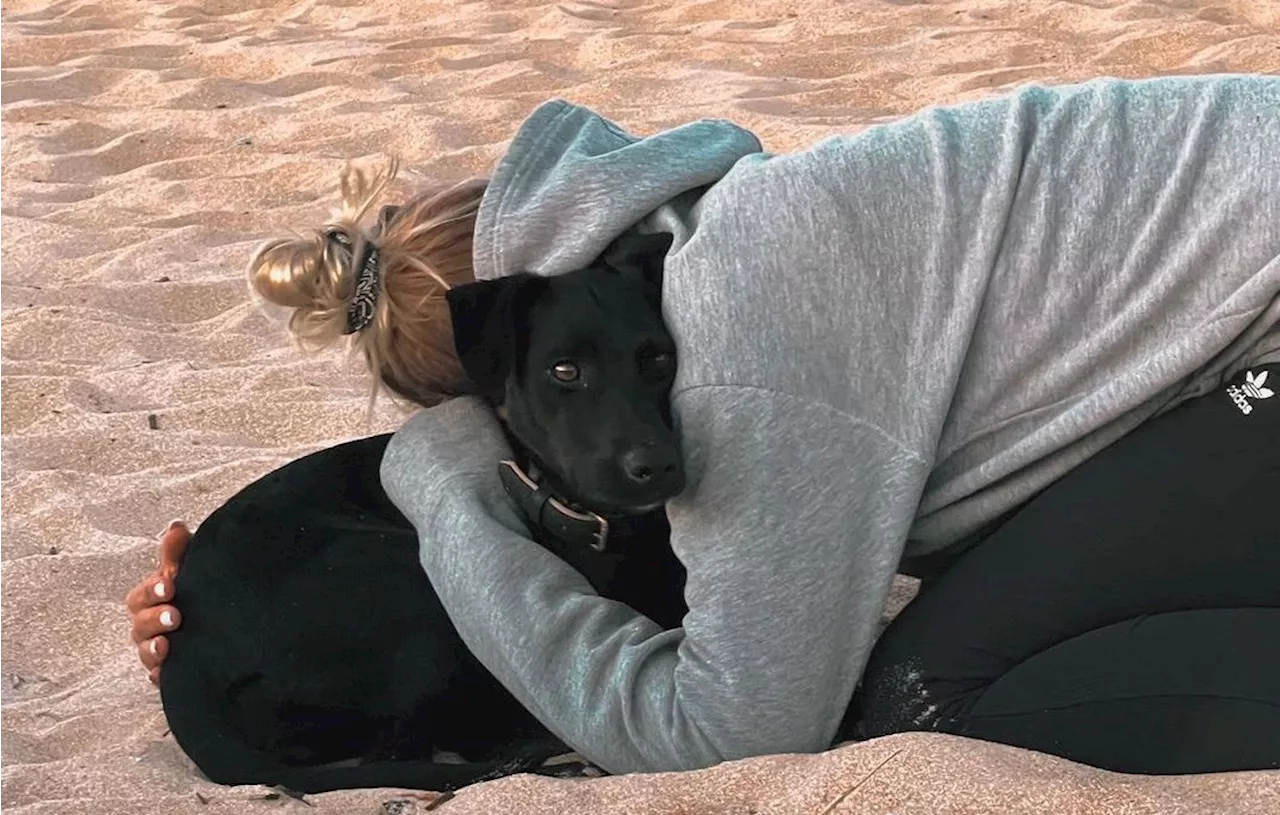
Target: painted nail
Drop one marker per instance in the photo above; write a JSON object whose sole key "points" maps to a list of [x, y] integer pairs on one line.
{"points": [[154, 646], [169, 526], [159, 589], [166, 618]]}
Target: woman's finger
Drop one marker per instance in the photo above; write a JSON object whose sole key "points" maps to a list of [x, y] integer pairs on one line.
{"points": [[173, 544], [152, 652], [157, 587], [152, 591], [153, 622]]}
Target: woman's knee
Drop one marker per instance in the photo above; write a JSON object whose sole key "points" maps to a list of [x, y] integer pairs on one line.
{"points": [[903, 695]]}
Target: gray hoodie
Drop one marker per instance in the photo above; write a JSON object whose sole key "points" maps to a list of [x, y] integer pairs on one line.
{"points": [[886, 343]]}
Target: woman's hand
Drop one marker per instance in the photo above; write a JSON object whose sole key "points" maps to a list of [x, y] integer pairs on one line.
{"points": [[150, 613]]}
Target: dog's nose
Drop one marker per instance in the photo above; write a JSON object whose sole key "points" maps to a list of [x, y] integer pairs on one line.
{"points": [[644, 464]]}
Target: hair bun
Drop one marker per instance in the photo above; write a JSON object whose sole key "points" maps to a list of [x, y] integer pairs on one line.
{"points": [[422, 248]]}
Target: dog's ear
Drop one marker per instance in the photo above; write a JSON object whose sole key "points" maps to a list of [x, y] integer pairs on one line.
{"points": [[636, 254], [486, 327]]}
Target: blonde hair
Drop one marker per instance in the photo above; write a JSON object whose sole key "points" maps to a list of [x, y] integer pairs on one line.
{"points": [[424, 249]]}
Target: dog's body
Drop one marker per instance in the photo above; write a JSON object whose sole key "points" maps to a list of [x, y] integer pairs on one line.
{"points": [[316, 659]]}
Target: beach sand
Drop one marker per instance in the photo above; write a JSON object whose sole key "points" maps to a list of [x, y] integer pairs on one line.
{"points": [[147, 146]]}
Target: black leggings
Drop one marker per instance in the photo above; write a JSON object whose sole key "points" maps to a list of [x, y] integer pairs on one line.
{"points": [[1128, 617]]}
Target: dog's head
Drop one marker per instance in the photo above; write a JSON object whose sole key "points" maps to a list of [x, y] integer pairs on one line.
{"points": [[583, 365]]}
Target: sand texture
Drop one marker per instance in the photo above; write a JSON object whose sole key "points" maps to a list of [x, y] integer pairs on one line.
{"points": [[148, 145]]}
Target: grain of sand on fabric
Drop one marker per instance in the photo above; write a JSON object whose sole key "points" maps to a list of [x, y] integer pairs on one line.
{"points": [[147, 146]]}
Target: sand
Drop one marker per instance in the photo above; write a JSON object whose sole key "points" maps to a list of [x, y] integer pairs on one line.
{"points": [[148, 145]]}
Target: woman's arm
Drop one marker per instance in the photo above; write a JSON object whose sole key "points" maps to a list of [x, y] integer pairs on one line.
{"points": [[790, 530]]}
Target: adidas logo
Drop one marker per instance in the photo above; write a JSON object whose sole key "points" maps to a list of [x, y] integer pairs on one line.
{"points": [[1254, 388]]}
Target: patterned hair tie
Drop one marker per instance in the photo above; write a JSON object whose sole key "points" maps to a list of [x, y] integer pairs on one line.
{"points": [[361, 308]]}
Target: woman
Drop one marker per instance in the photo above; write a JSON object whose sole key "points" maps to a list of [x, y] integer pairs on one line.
{"points": [[1018, 347]]}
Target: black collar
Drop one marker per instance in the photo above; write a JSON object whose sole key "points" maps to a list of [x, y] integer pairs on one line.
{"points": [[549, 514]]}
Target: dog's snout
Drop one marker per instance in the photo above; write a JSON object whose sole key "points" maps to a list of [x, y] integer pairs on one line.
{"points": [[646, 464]]}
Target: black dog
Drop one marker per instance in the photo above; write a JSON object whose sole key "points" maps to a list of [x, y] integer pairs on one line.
{"points": [[323, 660]]}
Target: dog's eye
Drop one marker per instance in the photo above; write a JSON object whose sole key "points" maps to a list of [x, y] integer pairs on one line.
{"points": [[565, 372], [663, 360]]}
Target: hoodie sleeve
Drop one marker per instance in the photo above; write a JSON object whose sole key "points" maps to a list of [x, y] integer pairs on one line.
{"points": [[783, 605]]}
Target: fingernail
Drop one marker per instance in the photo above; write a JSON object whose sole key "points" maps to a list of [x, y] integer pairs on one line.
{"points": [[170, 525], [159, 590], [155, 647], [166, 618]]}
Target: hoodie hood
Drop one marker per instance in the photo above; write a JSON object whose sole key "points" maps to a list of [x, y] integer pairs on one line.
{"points": [[572, 181]]}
